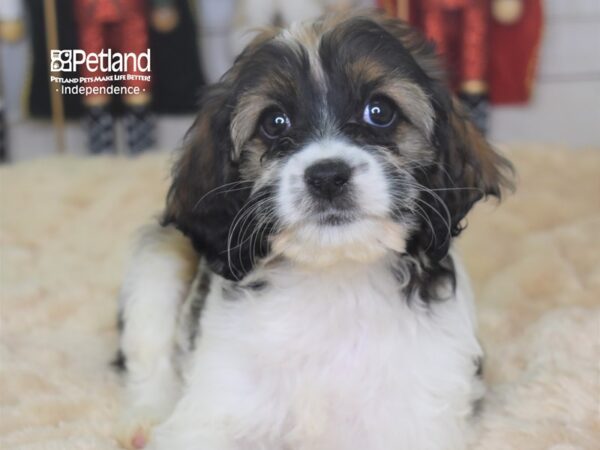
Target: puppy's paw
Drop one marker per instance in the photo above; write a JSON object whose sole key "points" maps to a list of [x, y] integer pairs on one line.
{"points": [[140, 439], [135, 427]]}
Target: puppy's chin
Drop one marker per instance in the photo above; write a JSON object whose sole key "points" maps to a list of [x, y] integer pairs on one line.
{"points": [[325, 245]]}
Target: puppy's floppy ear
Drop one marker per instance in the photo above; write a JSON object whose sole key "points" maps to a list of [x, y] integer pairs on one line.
{"points": [[207, 191], [465, 170], [197, 202]]}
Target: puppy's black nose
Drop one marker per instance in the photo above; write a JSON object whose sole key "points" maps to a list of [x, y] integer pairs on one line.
{"points": [[328, 178]]}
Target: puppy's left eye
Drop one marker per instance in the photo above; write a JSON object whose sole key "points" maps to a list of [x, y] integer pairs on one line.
{"points": [[274, 122], [380, 112]]}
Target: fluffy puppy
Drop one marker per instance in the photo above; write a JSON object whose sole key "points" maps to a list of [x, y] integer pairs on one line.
{"points": [[300, 291]]}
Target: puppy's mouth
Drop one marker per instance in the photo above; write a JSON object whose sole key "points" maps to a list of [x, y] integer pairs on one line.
{"points": [[339, 211], [335, 220], [335, 217]]}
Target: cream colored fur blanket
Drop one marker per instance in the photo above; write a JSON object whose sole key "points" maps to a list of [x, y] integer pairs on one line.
{"points": [[66, 227]]}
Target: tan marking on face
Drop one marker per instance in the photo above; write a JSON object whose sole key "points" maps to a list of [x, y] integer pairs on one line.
{"points": [[414, 149], [256, 168], [383, 235], [413, 102], [245, 117], [410, 98], [366, 69]]}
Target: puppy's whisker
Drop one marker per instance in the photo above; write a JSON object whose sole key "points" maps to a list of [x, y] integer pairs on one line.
{"points": [[253, 238], [241, 213], [264, 224], [240, 219], [244, 229], [217, 191], [247, 212], [414, 183], [447, 219], [416, 209]]}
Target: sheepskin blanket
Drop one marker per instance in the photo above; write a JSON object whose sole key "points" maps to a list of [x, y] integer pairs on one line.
{"points": [[67, 225]]}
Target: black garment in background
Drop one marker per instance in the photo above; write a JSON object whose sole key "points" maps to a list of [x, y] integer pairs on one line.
{"points": [[176, 72], [38, 99]]}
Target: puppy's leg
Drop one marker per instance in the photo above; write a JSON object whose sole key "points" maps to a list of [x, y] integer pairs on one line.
{"points": [[198, 424], [156, 283], [222, 408]]}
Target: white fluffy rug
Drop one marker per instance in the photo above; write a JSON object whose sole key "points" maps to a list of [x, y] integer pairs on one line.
{"points": [[65, 231]]}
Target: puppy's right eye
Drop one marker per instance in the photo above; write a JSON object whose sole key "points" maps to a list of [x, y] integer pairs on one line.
{"points": [[274, 123]]}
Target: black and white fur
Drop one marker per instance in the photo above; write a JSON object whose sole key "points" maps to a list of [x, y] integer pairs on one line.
{"points": [[300, 291]]}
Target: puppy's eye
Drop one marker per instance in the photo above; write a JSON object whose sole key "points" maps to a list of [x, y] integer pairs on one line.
{"points": [[380, 112], [274, 123]]}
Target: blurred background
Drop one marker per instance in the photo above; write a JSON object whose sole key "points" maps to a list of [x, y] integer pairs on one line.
{"points": [[527, 70]]}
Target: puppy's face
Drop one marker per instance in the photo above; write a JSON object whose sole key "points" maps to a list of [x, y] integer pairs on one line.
{"points": [[331, 141]]}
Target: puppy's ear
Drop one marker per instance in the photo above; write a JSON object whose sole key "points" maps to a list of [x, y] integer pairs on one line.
{"points": [[465, 170], [465, 167], [204, 196], [207, 192]]}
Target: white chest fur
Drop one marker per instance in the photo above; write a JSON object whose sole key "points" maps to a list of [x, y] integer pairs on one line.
{"points": [[331, 360]]}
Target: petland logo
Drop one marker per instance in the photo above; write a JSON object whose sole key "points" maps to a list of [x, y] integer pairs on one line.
{"points": [[106, 61]]}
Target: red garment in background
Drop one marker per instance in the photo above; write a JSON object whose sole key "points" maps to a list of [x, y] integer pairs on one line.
{"points": [[514, 53], [460, 30], [120, 25], [510, 51]]}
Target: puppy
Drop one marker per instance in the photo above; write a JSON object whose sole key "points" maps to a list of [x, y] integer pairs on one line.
{"points": [[300, 292]]}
